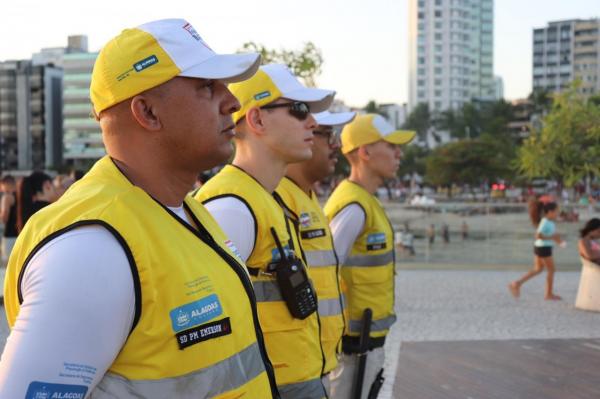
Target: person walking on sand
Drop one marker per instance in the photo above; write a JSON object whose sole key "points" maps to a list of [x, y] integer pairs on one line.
{"points": [[545, 236]]}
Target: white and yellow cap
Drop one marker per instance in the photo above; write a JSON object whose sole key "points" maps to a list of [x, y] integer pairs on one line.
{"points": [[144, 57], [327, 118], [369, 128], [274, 81]]}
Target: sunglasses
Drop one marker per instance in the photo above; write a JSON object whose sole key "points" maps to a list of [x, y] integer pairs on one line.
{"points": [[297, 109], [327, 133]]}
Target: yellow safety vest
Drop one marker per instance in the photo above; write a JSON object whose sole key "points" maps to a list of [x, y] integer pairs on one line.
{"points": [[293, 345], [196, 332], [322, 262], [368, 271]]}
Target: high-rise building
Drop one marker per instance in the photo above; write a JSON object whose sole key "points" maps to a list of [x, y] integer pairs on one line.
{"points": [[30, 116], [564, 51], [55, 55], [451, 52], [82, 135]]}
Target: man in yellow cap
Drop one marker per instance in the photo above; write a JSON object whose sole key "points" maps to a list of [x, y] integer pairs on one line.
{"points": [[125, 287], [273, 129], [364, 241], [296, 191]]}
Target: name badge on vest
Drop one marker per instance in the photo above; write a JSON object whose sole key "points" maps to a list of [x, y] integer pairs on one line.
{"points": [[376, 241], [316, 233], [203, 332], [189, 321]]}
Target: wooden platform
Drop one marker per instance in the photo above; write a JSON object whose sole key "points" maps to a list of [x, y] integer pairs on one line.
{"points": [[516, 369]]}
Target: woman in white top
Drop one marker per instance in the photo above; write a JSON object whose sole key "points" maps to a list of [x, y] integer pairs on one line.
{"points": [[545, 238]]}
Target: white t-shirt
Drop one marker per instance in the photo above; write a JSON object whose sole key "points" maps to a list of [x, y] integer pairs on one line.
{"points": [[345, 227], [236, 220], [77, 312]]}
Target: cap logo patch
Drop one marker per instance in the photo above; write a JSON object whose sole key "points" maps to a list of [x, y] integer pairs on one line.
{"points": [[145, 63], [192, 31], [262, 95]]}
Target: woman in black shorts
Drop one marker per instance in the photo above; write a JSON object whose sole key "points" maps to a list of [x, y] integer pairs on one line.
{"points": [[545, 238]]}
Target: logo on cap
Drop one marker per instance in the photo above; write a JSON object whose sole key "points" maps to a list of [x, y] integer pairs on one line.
{"points": [[145, 63], [262, 95], [192, 31]]}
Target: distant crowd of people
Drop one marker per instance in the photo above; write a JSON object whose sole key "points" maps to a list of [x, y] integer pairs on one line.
{"points": [[22, 197]]}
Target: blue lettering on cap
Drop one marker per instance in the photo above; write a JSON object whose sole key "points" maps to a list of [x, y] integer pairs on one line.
{"points": [[145, 63], [194, 313], [46, 390], [262, 95]]}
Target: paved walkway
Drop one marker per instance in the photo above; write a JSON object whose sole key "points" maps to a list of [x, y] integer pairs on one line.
{"points": [[436, 305]]}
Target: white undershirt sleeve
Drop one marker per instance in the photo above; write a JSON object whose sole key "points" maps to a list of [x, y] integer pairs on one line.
{"points": [[77, 311], [236, 220], [345, 227]]}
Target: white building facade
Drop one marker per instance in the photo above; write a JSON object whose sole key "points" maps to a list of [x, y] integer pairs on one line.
{"points": [[564, 51], [451, 52]]}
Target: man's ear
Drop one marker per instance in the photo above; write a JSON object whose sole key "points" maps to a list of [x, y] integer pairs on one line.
{"points": [[255, 120], [145, 112], [364, 152]]}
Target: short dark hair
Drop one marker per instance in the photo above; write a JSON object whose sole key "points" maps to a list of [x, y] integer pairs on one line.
{"points": [[591, 225], [7, 179]]}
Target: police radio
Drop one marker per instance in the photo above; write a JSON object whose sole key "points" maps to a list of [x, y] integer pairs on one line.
{"points": [[294, 284]]}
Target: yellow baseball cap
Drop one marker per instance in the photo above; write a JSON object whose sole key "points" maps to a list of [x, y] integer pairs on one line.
{"points": [[147, 56], [369, 128], [274, 81]]}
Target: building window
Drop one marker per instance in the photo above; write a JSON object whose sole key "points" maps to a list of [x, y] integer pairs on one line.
{"points": [[438, 2], [438, 25], [438, 14], [421, 83], [438, 70], [438, 36], [422, 60], [421, 72], [438, 48], [421, 15], [438, 59], [421, 94]]}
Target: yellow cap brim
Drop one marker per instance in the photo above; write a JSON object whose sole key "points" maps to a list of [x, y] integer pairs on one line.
{"points": [[400, 137]]}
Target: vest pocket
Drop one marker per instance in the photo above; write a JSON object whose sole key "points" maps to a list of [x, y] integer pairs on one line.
{"points": [[275, 316], [367, 275]]}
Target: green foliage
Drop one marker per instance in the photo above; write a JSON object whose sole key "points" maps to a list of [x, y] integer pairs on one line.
{"points": [[305, 63], [568, 146], [419, 120], [476, 118], [542, 100], [469, 162], [413, 160]]}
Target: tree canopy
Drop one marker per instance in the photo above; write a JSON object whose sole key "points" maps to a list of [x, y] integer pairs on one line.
{"points": [[567, 147], [305, 63]]}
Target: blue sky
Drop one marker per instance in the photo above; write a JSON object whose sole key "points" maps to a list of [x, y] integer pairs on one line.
{"points": [[364, 43]]}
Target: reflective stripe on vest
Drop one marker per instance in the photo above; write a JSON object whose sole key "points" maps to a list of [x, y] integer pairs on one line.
{"points": [[320, 258], [308, 389], [215, 380], [370, 260], [267, 291], [330, 307], [376, 325]]}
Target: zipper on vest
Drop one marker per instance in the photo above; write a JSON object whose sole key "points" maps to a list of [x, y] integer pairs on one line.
{"points": [[205, 236]]}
